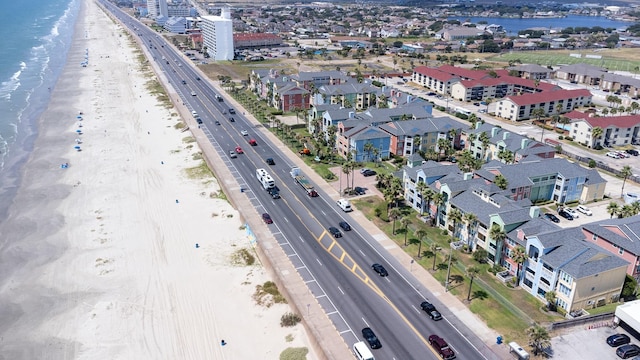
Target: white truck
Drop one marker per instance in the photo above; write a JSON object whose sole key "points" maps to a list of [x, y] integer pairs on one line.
{"points": [[265, 179], [344, 204]]}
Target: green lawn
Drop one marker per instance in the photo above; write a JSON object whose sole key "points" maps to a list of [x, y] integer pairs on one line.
{"points": [[554, 58]]}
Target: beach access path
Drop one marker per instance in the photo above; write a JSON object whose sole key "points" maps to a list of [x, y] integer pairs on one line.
{"points": [[98, 260]]}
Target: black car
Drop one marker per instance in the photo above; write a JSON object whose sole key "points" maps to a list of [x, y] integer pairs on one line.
{"points": [[199, 120], [369, 172], [359, 190], [335, 232], [632, 152], [552, 217], [565, 214], [618, 339], [371, 338], [270, 161], [232, 119], [431, 310], [345, 226], [184, 82], [380, 270], [275, 194], [627, 351], [217, 122], [197, 77]]}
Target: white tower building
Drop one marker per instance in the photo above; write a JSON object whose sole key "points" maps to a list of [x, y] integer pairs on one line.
{"points": [[157, 8], [217, 34]]}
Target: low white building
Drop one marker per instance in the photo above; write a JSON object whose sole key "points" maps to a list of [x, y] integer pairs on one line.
{"points": [[217, 34], [521, 107]]}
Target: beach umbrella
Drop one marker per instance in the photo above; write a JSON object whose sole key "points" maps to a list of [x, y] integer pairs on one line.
{"points": [[79, 117], [79, 132]]}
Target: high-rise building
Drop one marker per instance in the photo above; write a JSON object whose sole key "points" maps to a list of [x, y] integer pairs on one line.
{"points": [[217, 32], [157, 8]]}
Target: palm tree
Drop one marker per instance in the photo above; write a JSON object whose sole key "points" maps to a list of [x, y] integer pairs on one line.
{"points": [[498, 235], [434, 250], [420, 234], [404, 222], [484, 139], [550, 296], [471, 220], [625, 173], [421, 188], [472, 272], [501, 182], [538, 113], [612, 209], [394, 214], [438, 200], [455, 216], [368, 148], [538, 338], [346, 169], [596, 132], [519, 256]]}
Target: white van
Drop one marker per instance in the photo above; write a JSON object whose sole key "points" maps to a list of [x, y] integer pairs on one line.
{"points": [[362, 351], [344, 204], [518, 350]]}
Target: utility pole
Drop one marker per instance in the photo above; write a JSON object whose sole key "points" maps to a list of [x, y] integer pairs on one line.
{"points": [[446, 282]]}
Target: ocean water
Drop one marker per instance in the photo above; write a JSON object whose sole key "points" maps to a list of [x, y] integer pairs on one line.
{"points": [[34, 42]]}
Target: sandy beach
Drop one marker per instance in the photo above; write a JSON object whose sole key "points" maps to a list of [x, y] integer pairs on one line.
{"points": [[99, 260]]}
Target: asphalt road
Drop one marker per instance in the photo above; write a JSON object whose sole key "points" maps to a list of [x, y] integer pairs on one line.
{"points": [[337, 271]]}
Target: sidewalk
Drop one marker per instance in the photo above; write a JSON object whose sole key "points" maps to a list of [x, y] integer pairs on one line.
{"points": [[463, 316]]}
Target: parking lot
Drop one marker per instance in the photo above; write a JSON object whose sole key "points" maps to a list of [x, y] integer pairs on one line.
{"points": [[586, 344]]}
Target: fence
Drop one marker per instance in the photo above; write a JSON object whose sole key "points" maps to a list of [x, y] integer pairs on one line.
{"points": [[599, 320]]}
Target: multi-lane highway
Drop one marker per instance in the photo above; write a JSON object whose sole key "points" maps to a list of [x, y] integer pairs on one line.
{"points": [[337, 270]]}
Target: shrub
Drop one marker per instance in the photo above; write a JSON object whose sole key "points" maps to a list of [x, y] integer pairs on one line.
{"points": [[267, 294], [289, 319], [294, 354]]}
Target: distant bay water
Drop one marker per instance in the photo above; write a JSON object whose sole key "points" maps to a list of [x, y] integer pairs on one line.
{"points": [[35, 37], [513, 26]]}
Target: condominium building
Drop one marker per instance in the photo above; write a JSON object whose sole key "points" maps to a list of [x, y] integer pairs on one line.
{"points": [[218, 35], [157, 8]]}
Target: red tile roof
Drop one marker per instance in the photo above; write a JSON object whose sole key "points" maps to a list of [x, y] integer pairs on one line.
{"points": [[622, 122], [434, 73], [462, 72], [547, 96]]}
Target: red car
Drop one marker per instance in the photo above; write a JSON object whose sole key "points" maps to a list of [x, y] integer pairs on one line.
{"points": [[267, 218], [239, 150], [253, 142]]}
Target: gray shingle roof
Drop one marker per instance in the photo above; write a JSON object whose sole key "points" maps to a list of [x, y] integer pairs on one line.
{"points": [[424, 126], [624, 232]]}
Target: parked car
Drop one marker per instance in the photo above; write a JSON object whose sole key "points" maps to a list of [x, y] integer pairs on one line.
{"points": [[335, 232], [622, 154], [441, 347], [585, 210], [380, 270], [359, 190], [345, 226], [627, 351], [612, 154], [267, 218], [552, 217], [369, 172], [618, 339], [371, 338], [565, 214], [633, 152], [431, 310], [572, 211]]}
